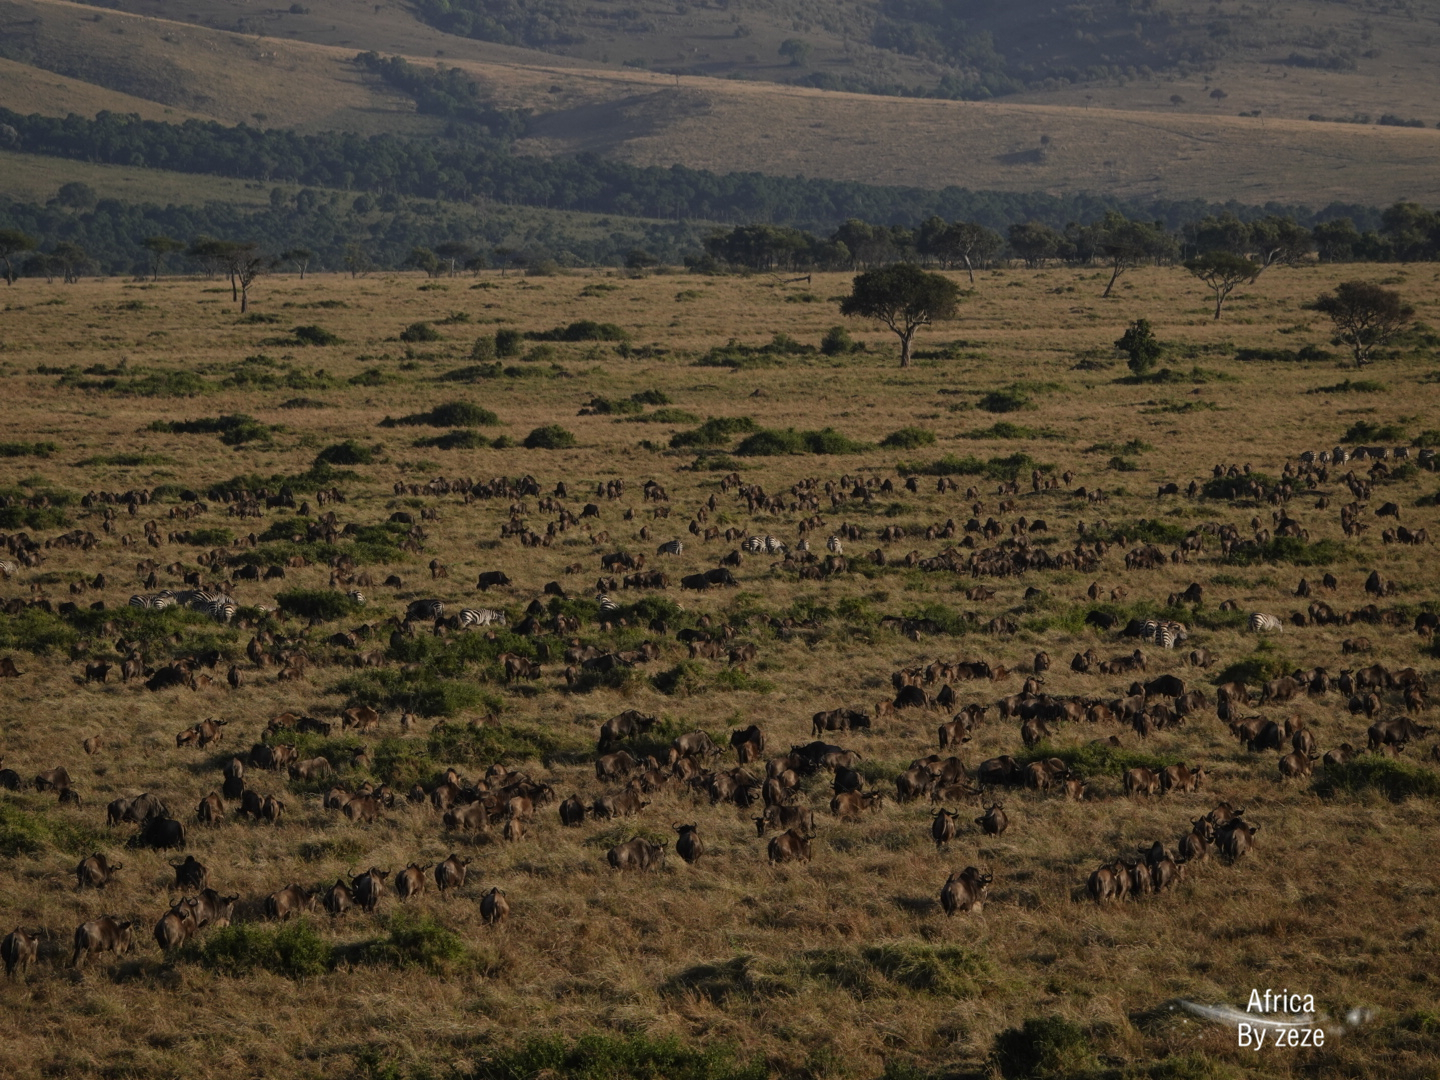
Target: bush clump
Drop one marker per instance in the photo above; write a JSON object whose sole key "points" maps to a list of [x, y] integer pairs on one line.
{"points": [[294, 950], [1009, 467], [323, 605], [550, 437], [234, 429], [584, 330], [348, 452], [415, 940], [314, 335], [463, 439], [452, 414], [909, 438], [715, 431], [419, 332], [769, 442], [617, 1057], [1043, 1048], [1396, 778], [1363, 431]]}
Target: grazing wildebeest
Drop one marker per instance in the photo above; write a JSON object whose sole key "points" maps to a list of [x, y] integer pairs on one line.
{"points": [[96, 871], [191, 874], [688, 845], [801, 818], [994, 821], [965, 890], [790, 845], [105, 934], [19, 949], [450, 874], [1140, 779], [368, 887], [636, 854], [291, 900], [493, 906], [748, 743], [1396, 732], [942, 826]]}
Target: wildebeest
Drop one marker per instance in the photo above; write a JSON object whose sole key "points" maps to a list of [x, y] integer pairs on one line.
{"points": [[450, 874], [105, 934], [1003, 770], [572, 811], [965, 890], [291, 900], [96, 871], [1196, 844], [850, 805], [623, 804], [1235, 837], [368, 887], [994, 821], [53, 780], [492, 579], [1396, 732], [176, 926], [338, 898], [493, 906], [693, 744], [1140, 779], [1108, 882], [942, 826], [362, 808], [688, 845], [637, 854], [1296, 765], [801, 818], [611, 766], [19, 949], [410, 881], [791, 845], [162, 833], [211, 809], [626, 725], [748, 743], [191, 874], [1340, 755], [1181, 778], [212, 909]]}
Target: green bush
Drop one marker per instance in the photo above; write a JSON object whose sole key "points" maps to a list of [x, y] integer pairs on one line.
{"points": [[508, 744], [33, 631], [234, 430], [683, 680], [1364, 431], [27, 449], [1009, 467], [908, 438], [1291, 550], [453, 414], [1097, 759], [508, 342], [421, 692], [604, 406], [716, 431], [325, 605], [294, 950], [668, 415], [463, 439], [348, 452], [1357, 386], [769, 442], [651, 397], [838, 342], [216, 536], [550, 437], [314, 335], [1043, 1048], [584, 330], [420, 332], [1003, 401], [1396, 778], [415, 940]]}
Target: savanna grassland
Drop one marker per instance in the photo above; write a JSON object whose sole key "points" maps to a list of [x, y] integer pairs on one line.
{"points": [[847, 966]]}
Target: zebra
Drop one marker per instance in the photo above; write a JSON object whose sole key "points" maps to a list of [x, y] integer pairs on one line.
{"points": [[802, 544], [7, 568], [1163, 632], [141, 601], [428, 610], [221, 610], [773, 546], [1259, 622], [754, 544], [834, 546], [356, 596], [607, 606], [163, 599], [478, 617], [670, 547]]}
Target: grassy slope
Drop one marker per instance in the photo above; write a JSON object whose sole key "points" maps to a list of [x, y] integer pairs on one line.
{"points": [[1330, 903], [725, 125]]}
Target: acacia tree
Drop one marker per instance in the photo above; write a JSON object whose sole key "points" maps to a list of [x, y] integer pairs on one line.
{"points": [[300, 257], [249, 264], [904, 298], [1223, 271], [159, 247], [13, 242], [1126, 244], [1366, 316]]}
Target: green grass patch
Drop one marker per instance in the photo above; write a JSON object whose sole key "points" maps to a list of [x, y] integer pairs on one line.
{"points": [[1304, 354], [1009, 467], [715, 431], [909, 438], [1290, 550], [769, 442], [1355, 386], [420, 692], [584, 330], [1044, 1048], [24, 832], [616, 1057], [461, 439], [27, 449], [1365, 431], [348, 452], [416, 940], [1006, 429], [234, 429], [735, 679], [310, 334], [125, 460], [1396, 778], [154, 384], [34, 631], [740, 357], [668, 415], [294, 950], [452, 414], [1171, 376], [1096, 759]]}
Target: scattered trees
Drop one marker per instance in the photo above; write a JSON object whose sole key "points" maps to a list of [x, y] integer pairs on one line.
{"points": [[1223, 271], [1127, 244], [1366, 316], [13, 242], [904, 298]]}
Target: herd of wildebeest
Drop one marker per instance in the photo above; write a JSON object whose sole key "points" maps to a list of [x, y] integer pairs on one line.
{"points": [[633, 767]]}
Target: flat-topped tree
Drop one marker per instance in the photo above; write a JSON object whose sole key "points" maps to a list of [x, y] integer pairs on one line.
{"points": [[1365, 315], [1223, 271], [904, 298]]}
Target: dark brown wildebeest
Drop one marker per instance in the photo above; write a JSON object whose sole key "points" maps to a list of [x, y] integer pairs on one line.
{"points": [[492, 579], [695, 744], [1340, 755], [310, 769], [410, 881], [97, 672], [801, 818], [688, 845], [1270, 737], [191, 874], [96, 871], [942, 826], [636, 854], [624, 804], [362, 808], [212, 909], [1201, 658], [851, 805], [790, 846], [1164, 872], [748, 743], [493, 907], [19, 949], [614, 766], [965, 890], [1033, 731], [338, 898], [957, 731], [572, 811], [1235, 837], [1108, 882], [1303, 742], [368, 887], [1196, 844], [176, 926], [1296, 765], [291, 900], [1396, 732], [271, 810], [624, 726], [462, 819], [451, 873], [999, 771], [1181, 778], [1140, 779], [143, 809], [994, 821], [162, 833], [105, 934], [53, 780], [514, 829], [234, 773], [8, 669]]}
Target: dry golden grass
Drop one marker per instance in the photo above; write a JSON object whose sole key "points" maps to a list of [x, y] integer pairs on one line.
{"points": [[1338, 900]]}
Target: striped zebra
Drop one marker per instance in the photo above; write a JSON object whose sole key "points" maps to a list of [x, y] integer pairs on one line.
{"points": [[802, 544], [356, 596], [469, 617], [607, 606], [834, 546], [428, 610], [163, 599], [141, 601], [670, 547], [221, 609], [773, 546], [1261, 623], [1163, 632], [754, 544], [7, 568]]}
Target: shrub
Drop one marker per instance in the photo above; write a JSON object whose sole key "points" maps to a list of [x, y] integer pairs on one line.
{"points": [[768, 443], [26, 449], [550, 437], [415, 940], [294, 950], [604, 406], [1140, 345], [420, 331], [584, 330], [507, 342], [682, 680], [324, 605], [909, 438], [483, 350], [314, 335], [33, 630], [837, 342], [348, 452], [1395, 778], [1288, 549], [1356, 386], [668, 415], [453, 414], [464, 439], [420, 692], [716, 431], [1043, 1047], [1363, 431], [651, 397], [996, 468], [234, 429], [1003, 401]]}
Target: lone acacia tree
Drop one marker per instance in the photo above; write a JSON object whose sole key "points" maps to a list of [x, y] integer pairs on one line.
{"points": [[159, 247], [1223, 271], [1366, 316], [904, 298], [13, 242]]}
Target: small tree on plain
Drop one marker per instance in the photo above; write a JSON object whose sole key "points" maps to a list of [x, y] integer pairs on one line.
{"points": [[904, 298], [1366, 316], [300, 258], [13, 242], [159, 247], [357, 260], [1140, 344], [1223, 271], [1126, 244]]}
